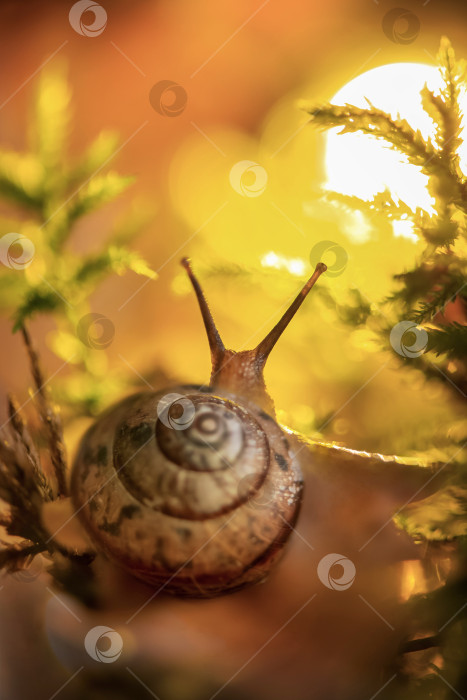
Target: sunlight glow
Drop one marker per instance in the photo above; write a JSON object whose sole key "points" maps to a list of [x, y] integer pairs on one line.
{"points": [[357, 164], [295, 266]]}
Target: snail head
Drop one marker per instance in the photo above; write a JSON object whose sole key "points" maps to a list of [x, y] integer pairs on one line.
{"points": [[242, 372]]}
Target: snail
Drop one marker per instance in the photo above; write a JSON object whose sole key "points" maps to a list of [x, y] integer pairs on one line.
{"points": [[196, 490]]}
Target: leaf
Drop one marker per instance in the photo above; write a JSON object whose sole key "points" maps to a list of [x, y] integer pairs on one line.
{"points": [[453, 72], [439, 298], [381, 125], [97, 154], [133, 261], [100, 190], [21, 179], [12, 288], [440, 231], [382, 204], [447, 120], [52, 119], [38, 300], [357, 311], [451, 340], [117, 259], [440, 516]]}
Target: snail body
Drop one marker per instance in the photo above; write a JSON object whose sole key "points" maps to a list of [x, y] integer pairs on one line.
{"points": [[194, 490]]}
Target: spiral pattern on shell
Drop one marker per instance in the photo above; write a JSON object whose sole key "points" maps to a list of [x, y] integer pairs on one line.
{"points": [[192, 492]]}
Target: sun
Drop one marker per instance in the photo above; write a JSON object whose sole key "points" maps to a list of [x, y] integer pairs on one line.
{"points": [[357, 164]]}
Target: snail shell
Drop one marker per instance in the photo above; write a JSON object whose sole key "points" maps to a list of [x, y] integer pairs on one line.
{"points": [[193, 492]]}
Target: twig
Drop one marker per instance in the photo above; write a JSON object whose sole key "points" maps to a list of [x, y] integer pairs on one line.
{"points": [[12, 555], [50, 418], [20, 428]]}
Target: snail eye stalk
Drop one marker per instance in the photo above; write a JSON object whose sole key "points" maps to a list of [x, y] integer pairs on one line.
{"points": [[266, 345], [215, 343]]}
